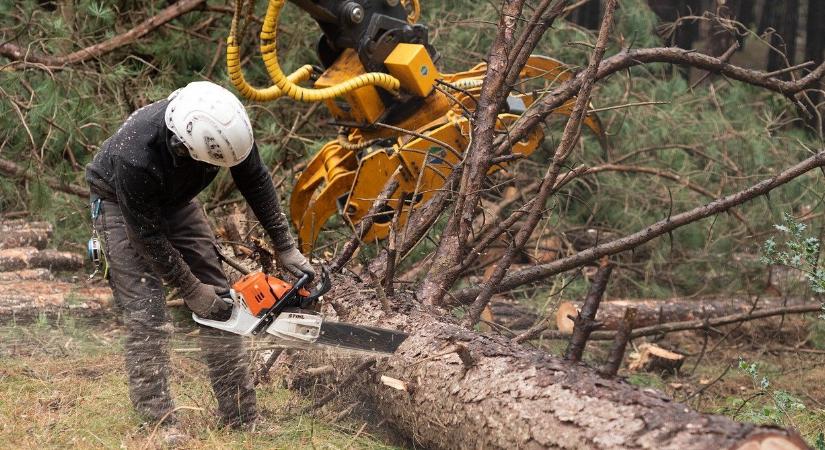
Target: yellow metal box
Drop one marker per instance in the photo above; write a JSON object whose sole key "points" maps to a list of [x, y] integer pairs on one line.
{"points": [[412, 65]]}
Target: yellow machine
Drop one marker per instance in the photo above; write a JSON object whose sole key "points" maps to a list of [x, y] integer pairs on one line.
{"points": [[399, 116]]}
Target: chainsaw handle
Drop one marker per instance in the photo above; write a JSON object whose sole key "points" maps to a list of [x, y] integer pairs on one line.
{"points": [[305, 278], [322, 288]]}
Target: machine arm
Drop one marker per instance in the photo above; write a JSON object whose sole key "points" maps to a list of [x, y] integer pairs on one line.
{"points": [[370, 27]]}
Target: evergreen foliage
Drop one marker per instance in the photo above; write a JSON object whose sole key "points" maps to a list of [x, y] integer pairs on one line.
{"points": [[719, 136]]}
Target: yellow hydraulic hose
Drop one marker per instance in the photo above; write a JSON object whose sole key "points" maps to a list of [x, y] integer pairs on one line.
{"points": [[269, 53], [233, 67], [346, 144], [467, 83]]}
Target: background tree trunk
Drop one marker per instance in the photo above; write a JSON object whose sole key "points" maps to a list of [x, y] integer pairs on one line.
{"points": [[588, 15], [653, 312], [815, 45], [815, 31]]}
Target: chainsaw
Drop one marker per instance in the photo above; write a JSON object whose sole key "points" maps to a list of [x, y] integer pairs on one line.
{"points": [[265, 304]]}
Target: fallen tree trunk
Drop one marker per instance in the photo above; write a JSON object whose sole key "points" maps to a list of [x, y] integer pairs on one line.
{"points": [[456, 388], [673, 327], [30, 257], [21, 300], [654, 312], [26, 274], [511, 314], [21, 234]]}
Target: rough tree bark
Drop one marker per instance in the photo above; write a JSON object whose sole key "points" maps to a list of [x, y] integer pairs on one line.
{"points": [[493, 92], [502, 395]]}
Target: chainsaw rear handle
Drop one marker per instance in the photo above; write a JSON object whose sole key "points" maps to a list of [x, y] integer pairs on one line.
{"points": [[321, 288]]}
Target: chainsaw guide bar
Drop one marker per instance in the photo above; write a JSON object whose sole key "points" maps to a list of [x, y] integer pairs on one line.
{"points": [[360, 337]]}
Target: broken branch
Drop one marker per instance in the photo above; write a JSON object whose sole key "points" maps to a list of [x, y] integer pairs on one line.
{"points": [[364, 226], [365, 365], [13, 170], [585, 321], [614, 361]]}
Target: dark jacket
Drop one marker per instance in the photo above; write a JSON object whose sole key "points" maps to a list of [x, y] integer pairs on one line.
{"points": [[135, 169]]}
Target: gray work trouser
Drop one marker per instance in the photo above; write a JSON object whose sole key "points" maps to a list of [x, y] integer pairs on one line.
{"points": [[139, 294]]}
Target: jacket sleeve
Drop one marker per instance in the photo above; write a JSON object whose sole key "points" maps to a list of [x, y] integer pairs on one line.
{"points": [[254, 182], [137, 192]]}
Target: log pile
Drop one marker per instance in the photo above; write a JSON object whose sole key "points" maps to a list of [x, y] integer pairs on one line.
{"points": [[23, 247], [28, 286], [30, 299]]}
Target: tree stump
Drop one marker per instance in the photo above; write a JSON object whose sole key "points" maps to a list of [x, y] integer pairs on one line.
{"points": [[652, 358]]}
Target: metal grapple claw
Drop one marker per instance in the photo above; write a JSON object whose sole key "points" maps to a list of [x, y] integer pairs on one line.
{"points": [[349, 181]]}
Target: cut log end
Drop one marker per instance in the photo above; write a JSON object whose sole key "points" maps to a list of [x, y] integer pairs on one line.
{"points": [[563, 321], [778, 441]]}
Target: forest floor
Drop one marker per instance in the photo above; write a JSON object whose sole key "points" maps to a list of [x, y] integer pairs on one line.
{"points": [[62, 381], [768, 372], [63, 385]]}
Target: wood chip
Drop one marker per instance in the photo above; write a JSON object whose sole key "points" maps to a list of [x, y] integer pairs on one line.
{"points": [[394, 383]]}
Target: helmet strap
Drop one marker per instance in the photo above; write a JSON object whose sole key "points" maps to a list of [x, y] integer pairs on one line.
{"points": [[176, 145]]}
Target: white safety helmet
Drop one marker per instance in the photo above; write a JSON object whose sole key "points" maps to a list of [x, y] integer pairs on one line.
{"points": [[211, 122]]}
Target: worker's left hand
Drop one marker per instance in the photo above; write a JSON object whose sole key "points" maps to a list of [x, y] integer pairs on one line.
{"points": [[296, 263]]}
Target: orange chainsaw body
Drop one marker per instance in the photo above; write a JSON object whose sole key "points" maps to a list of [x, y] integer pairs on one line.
{"points": [[262, 292]]}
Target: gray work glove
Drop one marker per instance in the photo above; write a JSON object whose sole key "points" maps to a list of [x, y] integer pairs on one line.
{"points": [[203, 301], [296, 263]]}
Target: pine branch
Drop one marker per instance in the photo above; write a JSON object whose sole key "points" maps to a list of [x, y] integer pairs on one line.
{"points": [[16, 53], [542, 271], [13, 170], [672, 55]]}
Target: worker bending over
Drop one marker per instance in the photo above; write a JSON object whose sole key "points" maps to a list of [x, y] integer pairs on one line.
{"points": [[143, 182]]}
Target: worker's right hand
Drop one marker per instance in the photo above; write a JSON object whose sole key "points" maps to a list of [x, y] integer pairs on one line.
{"points": [[203, 301]]}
